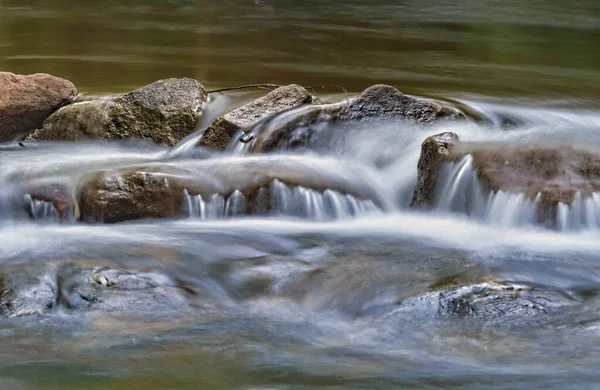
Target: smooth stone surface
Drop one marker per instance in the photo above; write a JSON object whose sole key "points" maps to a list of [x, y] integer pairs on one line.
{"points": [[26, 101], [163, 112], [219, 134]]}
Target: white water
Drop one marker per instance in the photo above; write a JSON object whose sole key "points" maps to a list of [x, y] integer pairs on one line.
{"points": [[288, 201], [460, 191]]}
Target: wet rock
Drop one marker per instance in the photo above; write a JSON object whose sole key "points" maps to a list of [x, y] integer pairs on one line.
{"points": [[435, 151], [129, 291], [135, 194], [383, 102], [40, 198], [296, 128], [26, 101], [492, 301], [160, 191], [164, 112], [549, 173], [27, 290], [224, 128]]}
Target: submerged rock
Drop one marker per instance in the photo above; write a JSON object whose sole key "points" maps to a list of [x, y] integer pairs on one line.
{"points": [[129, 291], [296, 128], [26, 101], [166, 191], [547, 174], [219, 134], [490, 302], [164, 112], [27, 290]]}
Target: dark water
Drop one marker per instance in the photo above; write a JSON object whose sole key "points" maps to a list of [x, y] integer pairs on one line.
{"points": [[286, 303]]}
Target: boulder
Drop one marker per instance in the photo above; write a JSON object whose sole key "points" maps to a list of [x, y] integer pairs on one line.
{"points": [[381, 102], [377, 103], [218, 135], [549, 174], [169, 191], [26, 101], [163, 112]]}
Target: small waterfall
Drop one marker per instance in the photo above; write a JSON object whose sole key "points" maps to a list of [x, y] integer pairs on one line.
{"points": [[310, 204], [284, 200], [298, 123], [582, 214], [38, 209], [461, 192]]}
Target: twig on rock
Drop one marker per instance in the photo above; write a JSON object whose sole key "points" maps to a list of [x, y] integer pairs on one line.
{"points": [[268, 87]]}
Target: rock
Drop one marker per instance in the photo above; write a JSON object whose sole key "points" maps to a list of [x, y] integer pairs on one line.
{"points": [[27, 290], [496, 302], [377, 103], [107, 288], [549, 174], [435, 151], [383, 102], [158, 191], [164, 112], [219, 134], [26, 101], [41, 200]]}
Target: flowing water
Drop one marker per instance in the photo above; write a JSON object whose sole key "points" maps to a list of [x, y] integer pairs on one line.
{"points": [[341, 284]]}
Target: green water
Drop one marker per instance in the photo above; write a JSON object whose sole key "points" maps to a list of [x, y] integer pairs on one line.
{"points": [[546, 49]]}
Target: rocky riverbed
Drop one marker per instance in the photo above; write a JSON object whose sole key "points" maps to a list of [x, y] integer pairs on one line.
{"points": [[286, 222]]}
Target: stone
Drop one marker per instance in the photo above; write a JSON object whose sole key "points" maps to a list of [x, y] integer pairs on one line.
{"points": [[26, 101], [163, 112], [219, 134], [383, 102], [111, 289], [551, 173], [435, 151], [157, 191], [376, 103], [58, 196], [30, 290]]}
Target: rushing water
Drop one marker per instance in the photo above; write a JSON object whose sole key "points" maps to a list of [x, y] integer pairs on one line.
{"points": [[341, 285]]}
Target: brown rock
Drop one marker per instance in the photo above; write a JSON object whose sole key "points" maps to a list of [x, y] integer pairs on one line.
{"points": [[435, 151], [554, 172], [242, 118], [163, 112], [26, 101], [158, 191]]}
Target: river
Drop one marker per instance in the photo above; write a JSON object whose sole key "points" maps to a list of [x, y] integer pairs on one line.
{"points": [[318, 299]]}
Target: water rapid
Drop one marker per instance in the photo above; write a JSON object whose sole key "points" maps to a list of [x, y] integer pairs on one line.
{"points": [[304, 265]]}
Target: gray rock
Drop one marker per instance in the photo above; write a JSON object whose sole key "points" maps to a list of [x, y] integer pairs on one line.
{"points": [[383, 102], [164, 112], [26, 101], [128, 291], [290, 130], [27, 290], [157, 191], [242, 118]]}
